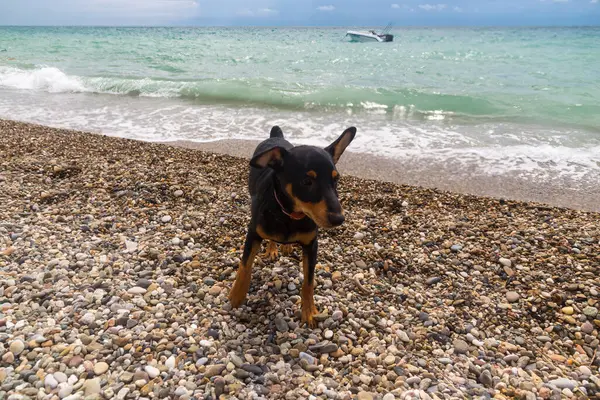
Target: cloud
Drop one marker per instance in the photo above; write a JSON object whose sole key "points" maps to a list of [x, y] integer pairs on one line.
{"points": [[458, 9], [263, 12], [326, 8], [432, 7], [593, 1], [395, 5], [143, 8]]}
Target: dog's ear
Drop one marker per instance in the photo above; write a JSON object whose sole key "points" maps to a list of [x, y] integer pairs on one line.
{"points": [[271, 158], [336, 149]]}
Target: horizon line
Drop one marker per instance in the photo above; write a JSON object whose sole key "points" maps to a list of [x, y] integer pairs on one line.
{"points": [[290, 26]]}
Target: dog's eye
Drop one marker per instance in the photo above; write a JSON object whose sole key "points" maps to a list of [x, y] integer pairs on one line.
{"points": [[307, 181]]}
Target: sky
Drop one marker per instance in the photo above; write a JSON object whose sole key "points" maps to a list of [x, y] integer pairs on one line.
{"points": [[301, 13]]}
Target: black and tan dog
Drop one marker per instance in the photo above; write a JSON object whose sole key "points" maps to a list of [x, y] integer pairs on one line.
{"points": [[294, 193]]}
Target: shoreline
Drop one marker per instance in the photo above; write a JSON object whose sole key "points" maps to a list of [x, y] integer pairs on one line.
{"points": [[437, 176], [117, 256]]}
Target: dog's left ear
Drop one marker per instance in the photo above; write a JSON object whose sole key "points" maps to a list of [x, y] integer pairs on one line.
{"points": [[271, 158], [337, 148]]}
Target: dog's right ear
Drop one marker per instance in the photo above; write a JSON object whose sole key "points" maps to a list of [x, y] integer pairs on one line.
{"points": [[271, 158]]}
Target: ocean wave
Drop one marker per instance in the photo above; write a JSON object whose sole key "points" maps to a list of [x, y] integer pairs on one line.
{"points": [[398, 103], [48, 79]]}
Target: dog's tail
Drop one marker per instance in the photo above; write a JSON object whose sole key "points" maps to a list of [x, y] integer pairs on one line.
{"points": [[276, 132]]}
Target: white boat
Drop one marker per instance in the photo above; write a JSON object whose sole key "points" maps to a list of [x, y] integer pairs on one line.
{"points": [[369, 36]]}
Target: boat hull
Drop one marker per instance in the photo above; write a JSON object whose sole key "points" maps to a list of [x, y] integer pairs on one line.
{"points": [[357, 36]]}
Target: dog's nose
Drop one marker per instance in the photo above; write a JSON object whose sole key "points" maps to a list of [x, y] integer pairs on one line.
{"points": [[336, 219]]}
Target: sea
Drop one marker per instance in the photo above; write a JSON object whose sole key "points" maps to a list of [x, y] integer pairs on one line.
{"points": [[523, 102]]}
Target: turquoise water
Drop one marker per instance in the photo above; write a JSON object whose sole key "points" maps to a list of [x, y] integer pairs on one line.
{"points": [[524, 100]]}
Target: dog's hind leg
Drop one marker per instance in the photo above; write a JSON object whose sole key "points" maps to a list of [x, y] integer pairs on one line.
{"points": [[309, 261], [271, 251], [287, 249], [244, 272]]}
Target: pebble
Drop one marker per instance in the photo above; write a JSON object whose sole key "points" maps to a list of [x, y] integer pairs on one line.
{"points": [[214, 370], [505, 262], [460, 346], [16, 347], [281, 325], [100, 368], [433, 280], [365, 396], [456, 248], [587, 327], [65, 391], [60, 377], [88, 318], [166, 219], [590, 312], [512, 297], [337, 315], [92, 387], [137, 290], [567, 310], [170, 363], [152, 371], [50, 381], [328, 334], [563, 383]]}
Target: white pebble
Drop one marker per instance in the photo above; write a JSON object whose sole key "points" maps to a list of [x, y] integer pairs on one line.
{"points": [[152, 372]]}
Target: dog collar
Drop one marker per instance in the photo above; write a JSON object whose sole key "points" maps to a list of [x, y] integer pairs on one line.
{"points": [[293, 215]]}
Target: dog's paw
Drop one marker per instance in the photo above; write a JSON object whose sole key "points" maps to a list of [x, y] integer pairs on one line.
{"points": [[236, 297], [308, 316]]}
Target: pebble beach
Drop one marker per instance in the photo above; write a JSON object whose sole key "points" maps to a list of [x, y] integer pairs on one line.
{"points": [[116, 258]]}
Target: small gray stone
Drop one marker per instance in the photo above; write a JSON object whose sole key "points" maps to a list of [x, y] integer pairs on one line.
{"points": [[361, 264], [255, 369], [308, 358], [563, 383], [237, 361], [281, 325], [337, 315], [587, 328], [456, 248], [166, 219], [590, 312], [505, 262], [460, 346], [87, 318], [485, 378], [512, 297], [214, 370], [433, 280]]}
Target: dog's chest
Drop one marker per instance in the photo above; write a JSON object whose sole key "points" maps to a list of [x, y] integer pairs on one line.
{"points": [[286, 236]]}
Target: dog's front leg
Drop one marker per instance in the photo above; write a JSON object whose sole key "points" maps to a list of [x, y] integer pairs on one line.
{"points": [[244, 272], [309, 261]]}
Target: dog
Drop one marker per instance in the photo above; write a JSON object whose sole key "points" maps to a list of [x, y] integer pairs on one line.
{"points": [[294, 193]]}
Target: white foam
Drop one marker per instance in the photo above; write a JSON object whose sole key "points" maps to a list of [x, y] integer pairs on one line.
{"points": [[48, 79], [540, 153]]}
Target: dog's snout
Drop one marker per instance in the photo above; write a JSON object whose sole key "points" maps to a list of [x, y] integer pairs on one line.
{"points": [[336, 219]]}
